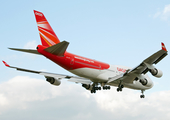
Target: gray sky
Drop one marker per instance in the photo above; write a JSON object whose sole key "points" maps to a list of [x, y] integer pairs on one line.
{"points": [[116, 32]]}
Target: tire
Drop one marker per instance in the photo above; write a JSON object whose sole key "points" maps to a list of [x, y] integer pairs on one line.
{"points": [[118, 89]]}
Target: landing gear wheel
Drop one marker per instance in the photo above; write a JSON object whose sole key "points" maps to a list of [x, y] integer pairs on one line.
{"points": [[142, 96], [120, 86], [118, 90], [106, 87], [93, 91]]}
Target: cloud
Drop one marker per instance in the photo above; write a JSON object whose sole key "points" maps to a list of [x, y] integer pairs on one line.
{"points": [[31, 98], [164, 14], [155, 106], [30, 45], [20, 90], [157, 14]]}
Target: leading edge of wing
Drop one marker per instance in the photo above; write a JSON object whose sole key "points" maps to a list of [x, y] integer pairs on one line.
{"points": [[158, 56], [142, 68], [153, 59], [54, 75]]}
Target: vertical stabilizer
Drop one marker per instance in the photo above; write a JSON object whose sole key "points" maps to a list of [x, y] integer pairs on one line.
{"points": [[47, 35]]}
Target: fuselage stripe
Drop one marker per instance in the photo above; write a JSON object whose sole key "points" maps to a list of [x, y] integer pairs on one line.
{"points": [[87, 64]]}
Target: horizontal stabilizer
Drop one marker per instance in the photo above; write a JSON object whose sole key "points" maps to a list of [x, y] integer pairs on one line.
{"points": [[58, 49], [26, 50]]}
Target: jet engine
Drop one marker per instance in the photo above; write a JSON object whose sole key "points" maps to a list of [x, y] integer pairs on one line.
{"points": [[156, 72], [143, 81], [53, 81], [88, 87]]}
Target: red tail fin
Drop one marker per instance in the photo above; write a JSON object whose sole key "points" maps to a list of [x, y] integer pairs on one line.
{"points": [[47, 35]]}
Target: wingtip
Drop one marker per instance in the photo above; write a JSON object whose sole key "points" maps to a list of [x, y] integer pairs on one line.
{"points": [[163, 46], [5, 64]]}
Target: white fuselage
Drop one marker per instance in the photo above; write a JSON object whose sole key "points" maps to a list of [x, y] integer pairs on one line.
{"points": [[103, 76]]}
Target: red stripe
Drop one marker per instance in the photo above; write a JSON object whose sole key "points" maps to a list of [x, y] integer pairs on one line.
{"points": [[71, 61]]}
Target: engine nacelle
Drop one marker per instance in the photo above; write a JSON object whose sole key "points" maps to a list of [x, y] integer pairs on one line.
{"points": [[88, 87], [156, 72], [53, 81], [143, 81]]}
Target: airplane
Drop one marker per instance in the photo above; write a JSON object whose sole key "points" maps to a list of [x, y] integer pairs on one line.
{"points": [[93, 75]]}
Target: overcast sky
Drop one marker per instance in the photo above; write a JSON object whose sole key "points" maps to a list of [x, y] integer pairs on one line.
{"points": [[116, 32]]}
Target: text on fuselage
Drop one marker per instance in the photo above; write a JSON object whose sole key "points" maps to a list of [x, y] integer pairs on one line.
{"points": [[84, 59], [121, 69]]}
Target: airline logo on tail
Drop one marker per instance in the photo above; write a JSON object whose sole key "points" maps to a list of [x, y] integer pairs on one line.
{"points": [[47, 35], [38, 13]]}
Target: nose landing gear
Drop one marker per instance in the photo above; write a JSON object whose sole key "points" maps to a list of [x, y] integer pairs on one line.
{"points": [[142, 96]]}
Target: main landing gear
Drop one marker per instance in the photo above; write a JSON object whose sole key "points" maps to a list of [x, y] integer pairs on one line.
{"points": [[106, 87], [94, 88], [142, 96], [120, 87]]}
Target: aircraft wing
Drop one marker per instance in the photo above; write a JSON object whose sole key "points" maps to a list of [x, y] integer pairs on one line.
{"points": [[142, 68], [75, 79]]}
